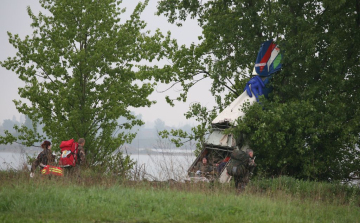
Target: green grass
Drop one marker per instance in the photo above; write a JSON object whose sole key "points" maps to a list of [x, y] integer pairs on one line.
{"points": [[107, 199], [334, 193]]}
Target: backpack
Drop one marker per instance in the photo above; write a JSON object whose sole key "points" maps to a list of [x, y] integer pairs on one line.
{"points": [[235, 170], [69, 150], [237, 164]]}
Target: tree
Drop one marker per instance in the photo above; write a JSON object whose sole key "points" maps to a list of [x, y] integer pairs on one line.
{"points": [[159, 125], [227, 52], [9, 124], [309, 127], [81, 69]]}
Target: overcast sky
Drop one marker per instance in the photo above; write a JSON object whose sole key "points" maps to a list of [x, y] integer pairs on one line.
{"points": [[14, 18]]}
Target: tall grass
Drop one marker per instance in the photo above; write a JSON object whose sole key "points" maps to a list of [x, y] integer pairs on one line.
{"points": [[98, 198], [334, 193]]}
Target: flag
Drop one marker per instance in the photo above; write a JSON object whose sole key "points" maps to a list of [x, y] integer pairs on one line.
{"points": [[268, 60]]}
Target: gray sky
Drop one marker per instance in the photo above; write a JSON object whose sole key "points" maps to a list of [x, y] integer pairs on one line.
{"points": [[14, 18]]}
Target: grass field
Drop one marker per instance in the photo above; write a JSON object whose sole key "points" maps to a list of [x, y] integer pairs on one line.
{"points": [[95, 198]]}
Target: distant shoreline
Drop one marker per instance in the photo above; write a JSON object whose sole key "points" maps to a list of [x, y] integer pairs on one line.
{"points": [[20, 149], [133, 153], [162, 153], [24, 150]]}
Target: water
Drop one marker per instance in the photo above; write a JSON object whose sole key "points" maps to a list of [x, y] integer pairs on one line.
{"points": [[163, 165], [9, 160]]}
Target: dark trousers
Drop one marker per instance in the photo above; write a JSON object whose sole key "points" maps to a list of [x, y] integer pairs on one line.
{"points": [[72, 171], [242, 180]]}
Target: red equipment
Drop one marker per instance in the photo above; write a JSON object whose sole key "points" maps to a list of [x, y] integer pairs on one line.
{"points": [[68, 153], [52, 170]]}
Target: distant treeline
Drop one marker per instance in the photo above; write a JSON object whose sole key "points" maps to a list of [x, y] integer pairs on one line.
{"points": [[8, 125], [146, 136]]}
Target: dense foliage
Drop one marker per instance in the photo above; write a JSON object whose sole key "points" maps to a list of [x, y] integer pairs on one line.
{"points": [[309, 127], [81, 73]]}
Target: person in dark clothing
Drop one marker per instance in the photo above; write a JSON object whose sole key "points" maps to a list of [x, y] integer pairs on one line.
{"points": [[222, 164], [44, 158], [242, 165], [81, 152], [204, 168]]}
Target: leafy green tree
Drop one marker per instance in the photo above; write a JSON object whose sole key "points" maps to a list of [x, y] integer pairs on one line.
{"points": [[309, 127], [229, 44], [81, 72]]}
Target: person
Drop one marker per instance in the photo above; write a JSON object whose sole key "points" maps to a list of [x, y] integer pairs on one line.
{"points": [[222, 164], [203, 168], [80, 159], [242, 164], [44, 158], [81, 152]]}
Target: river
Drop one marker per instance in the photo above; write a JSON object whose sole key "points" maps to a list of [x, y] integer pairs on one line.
{"points": [[163, 165]]}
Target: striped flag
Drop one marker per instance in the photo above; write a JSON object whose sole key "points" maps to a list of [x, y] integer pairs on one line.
{"points": [[268, 60]]}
